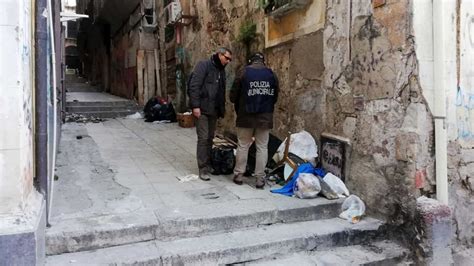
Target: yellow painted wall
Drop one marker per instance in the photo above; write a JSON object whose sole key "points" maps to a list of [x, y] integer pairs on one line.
{"points": [[295, 24]]}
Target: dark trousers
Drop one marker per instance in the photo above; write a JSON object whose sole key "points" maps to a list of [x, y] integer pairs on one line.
{"points": [[205, 128]]}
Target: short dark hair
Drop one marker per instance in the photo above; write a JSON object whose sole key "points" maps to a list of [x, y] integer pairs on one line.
{"points": [[223, 50], [257, 57]]}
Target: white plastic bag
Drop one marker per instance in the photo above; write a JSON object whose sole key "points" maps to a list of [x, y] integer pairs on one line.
{"points": [[307, 186], [337, 185], [302, 144], [352, 209]]}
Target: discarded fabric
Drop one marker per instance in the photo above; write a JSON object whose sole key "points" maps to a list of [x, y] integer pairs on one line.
{"points": [[352, 209], [288, 189], [307, 186]]}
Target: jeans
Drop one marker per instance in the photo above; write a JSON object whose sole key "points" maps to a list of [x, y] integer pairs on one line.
{"points": [[205, 129], [244, 136]]}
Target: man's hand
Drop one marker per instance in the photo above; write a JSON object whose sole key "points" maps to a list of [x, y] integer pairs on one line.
{"points": [[197, 112]]}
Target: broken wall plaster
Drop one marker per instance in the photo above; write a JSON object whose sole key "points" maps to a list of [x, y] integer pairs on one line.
{"points": [[381, 74]]}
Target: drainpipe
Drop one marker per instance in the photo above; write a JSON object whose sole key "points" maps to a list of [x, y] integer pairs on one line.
{"points": [[55, 104], [439, 110], [41, 98]]}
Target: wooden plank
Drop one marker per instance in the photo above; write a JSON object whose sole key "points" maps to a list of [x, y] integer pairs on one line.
{"points": [[140, 78], [150, 60], [157, 71]]}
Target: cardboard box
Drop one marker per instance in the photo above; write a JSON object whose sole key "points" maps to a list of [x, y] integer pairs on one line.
{"points": [[185, 120]]}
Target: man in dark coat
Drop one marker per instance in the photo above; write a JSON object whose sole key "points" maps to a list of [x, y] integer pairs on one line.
{"points": [[206, 92], [254, 95]]}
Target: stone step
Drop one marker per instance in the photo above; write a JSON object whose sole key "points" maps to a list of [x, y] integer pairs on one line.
{"points": [[109, 108], [107, 114], [376, 253], [190, 221], [233, 247], [100, 103]]}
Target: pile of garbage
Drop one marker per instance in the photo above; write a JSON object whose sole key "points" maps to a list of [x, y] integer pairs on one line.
{"points": [[78, 118], [305, 181], [159, 109]]}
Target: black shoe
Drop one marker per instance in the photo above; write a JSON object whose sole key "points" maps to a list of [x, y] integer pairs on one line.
{"points": [[204, 175], [260, 184], [238, 179]]}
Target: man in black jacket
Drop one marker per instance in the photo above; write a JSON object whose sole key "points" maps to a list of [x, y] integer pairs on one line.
{"points": [[254, 95], [207, 100]]}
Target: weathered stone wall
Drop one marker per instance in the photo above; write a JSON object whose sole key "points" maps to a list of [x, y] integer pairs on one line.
{"points": [[458, 82], [358, 78], [374, 99], [297, 62], [461, 141]]}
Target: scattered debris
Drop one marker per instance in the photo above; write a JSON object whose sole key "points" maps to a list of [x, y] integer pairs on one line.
{"points": [[187, 178], [78, 118], [352, 209], [302, 144], [79, 137], [161, 122], [136, 115], [326, 190], [307, 186], [336, 184]]}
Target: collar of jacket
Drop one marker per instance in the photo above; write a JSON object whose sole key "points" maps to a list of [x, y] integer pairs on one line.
{"points": [[257, 64], [216, 61]]}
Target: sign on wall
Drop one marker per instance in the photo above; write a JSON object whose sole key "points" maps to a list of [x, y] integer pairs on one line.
{"points": [[333, 154]]}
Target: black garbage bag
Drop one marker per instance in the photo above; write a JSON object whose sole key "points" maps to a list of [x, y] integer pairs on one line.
{"points": [[222, 160], [159, 109]]}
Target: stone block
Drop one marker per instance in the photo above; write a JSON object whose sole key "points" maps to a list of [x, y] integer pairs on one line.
{"points": [[406, 146], [27, 245], [349, 127], [435, 221]]}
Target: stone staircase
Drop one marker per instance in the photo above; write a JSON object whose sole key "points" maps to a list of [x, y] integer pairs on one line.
{"points": [[89, 101], [102, 109], [239, 234]]}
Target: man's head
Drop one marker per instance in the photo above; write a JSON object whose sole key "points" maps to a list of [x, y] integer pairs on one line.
{"points": [[257, 57], [225, 55]]}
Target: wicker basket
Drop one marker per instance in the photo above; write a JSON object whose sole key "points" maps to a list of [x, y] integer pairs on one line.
{"points": [[185, 120]]}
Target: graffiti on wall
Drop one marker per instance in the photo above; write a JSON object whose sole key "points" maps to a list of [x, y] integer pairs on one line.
{"points": [[465, 91], [465, 114]]}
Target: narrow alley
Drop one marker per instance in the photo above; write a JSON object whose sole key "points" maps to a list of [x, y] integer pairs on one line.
{"points": [[254, 132]]}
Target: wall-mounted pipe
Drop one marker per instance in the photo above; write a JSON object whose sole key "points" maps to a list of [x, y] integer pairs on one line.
{"points": [[439, 109], [41, 98], [55, 106]]}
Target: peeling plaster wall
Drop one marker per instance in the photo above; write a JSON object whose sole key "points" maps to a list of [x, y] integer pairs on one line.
{"points": [[374, 98]]}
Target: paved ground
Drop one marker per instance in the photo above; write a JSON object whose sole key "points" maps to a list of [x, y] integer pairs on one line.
{"points": [[126, 165]]}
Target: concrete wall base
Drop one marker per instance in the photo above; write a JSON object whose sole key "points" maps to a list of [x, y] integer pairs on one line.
{"points": [[22, 241]]}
